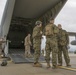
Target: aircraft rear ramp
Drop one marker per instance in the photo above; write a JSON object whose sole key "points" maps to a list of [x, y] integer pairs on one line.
{"points": [[18, 56]]}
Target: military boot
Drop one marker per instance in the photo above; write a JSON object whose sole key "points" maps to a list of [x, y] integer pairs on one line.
{"points": [[54, 67], [59, 64], [68, 65], [30, 56], [1, 56], [37, 64], [26, 56], [48, 65]]}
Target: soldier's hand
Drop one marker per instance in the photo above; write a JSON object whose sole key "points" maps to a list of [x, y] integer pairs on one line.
{"points": [[40, 32]]}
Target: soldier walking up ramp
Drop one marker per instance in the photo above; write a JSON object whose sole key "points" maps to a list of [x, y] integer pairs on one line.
{"points": [[18, 56]]}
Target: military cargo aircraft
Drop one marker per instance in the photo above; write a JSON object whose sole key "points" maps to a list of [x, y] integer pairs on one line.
{"points": [[73, 34], [19, 18]]}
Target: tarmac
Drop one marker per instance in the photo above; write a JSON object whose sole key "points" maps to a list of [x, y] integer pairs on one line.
{"points": [[28, 69]]}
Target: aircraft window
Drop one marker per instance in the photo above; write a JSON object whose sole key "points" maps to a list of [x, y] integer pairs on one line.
{"points": [[60, 4], [53, 12], [46, 18], [49, 14], [56, 8]]}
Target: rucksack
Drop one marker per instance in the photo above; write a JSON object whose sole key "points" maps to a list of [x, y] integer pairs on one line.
{"points": [[4, 63], [49, 30], [56, 30]]}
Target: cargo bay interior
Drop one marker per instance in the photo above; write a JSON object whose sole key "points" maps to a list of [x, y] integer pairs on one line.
{"points": [[19, 19], [25, 14]]}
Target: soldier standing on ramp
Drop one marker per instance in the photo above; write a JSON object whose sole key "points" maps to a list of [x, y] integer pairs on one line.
{"points": [[1, 42], [63, 42], [27, 45], [51, 31], [37, 35], [1, 46]]}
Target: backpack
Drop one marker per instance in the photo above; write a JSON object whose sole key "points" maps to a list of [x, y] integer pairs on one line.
{"points": [[49, 30], [4, 63], [56, 30]]}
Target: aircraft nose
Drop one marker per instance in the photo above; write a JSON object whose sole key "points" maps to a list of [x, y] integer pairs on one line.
{"points": [[73, 42]]}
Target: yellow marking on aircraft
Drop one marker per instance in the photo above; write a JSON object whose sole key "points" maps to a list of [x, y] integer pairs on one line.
{"points": [[9, 61], [67, 68]]}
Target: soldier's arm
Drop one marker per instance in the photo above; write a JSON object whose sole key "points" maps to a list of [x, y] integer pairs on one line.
{"points": [[58, 36], [37, 33], [56, 30], [29, 41], [43, 32], [26, 39], [67, 37]]}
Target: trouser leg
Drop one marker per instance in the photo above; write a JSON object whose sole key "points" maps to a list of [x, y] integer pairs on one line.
{"points": [[60, 55], [66, 55], [54, 53], [47, 55], [37, 52]]}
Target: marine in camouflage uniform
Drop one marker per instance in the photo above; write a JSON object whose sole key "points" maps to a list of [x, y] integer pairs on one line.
{"points": [[1, 42], [0, 46], [27, 45], [63, 42], [51, 31], [37, 35]]}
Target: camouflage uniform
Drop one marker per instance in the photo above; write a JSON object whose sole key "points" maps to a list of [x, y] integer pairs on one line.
{"points": [[27, 46], [51, 31], [1, 42], [63, 41], [37, 42], [0, 48]]}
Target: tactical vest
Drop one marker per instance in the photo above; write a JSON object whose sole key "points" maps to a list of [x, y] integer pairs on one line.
{"points": [[56, 30], [62, 39], [49, 30], [36, 32]]}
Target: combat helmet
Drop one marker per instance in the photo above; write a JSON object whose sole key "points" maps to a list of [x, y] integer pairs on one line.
{"points": [[38, 23]]}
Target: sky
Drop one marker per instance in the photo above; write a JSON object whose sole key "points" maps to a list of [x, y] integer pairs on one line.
{"points": [[2, 5], [66, 17]]}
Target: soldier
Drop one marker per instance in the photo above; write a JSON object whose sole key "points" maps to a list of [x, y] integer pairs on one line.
{"points": [[0, 46], [37, 35], [1, 42], [51, 31], [4, 45], [27, 45], [63, 42]]}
